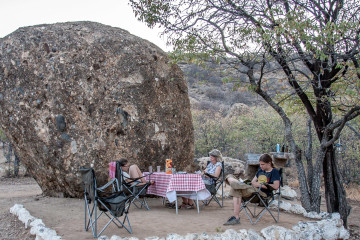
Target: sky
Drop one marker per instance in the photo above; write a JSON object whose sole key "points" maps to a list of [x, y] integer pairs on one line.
{"points": [[116, 13]]}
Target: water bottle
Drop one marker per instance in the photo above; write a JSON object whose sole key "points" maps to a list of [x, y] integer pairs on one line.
{"points": [[278, 148]]}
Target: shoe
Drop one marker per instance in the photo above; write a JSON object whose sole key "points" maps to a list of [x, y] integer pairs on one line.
{"points": [[232, 221], [170, 205]]}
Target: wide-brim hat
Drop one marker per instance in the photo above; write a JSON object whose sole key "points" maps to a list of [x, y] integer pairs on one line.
{"points": [[215, 153]]}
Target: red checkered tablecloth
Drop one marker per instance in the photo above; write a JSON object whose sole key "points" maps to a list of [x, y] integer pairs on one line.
{"points": [[186, 182], [112, 169], [161, 183], [170, 185]]}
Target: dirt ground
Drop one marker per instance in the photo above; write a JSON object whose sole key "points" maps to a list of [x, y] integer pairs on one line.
{"points": [[66, 216]]}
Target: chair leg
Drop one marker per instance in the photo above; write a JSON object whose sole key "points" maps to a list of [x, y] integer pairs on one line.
{"points": [[114, 219], [259, 215], [218, 202], [143, 203], [197, 204], [216, 199], [176, 205], [222, 195], [246, 209]]}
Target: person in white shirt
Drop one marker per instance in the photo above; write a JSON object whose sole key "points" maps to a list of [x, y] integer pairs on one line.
{"points": [[213, 170]]}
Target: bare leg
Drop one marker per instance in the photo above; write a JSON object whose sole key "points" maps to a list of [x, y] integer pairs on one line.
{"points": [[237, 206], [234, 183], [135, 172], [186, 202]]}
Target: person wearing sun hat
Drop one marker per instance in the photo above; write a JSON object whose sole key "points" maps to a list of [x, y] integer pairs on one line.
{"points": [[267, 173], [213, 169]]}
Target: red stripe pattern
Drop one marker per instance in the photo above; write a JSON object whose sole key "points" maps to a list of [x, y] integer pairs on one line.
{"points": [[186, 182], [174, 182], [162, 181], [168, 182], [112, 168]]}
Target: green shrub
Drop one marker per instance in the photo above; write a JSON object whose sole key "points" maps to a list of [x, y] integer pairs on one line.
{"points": [[260, 130]]}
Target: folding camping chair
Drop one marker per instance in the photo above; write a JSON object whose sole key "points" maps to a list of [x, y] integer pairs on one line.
{"points": [[113, 204], [132, 187], [262, 202], [214, 188]]}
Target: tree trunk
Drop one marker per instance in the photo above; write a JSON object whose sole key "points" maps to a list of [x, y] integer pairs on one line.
{"points": [[305, 194], [334, 189], [308, 154], [16, 165]]}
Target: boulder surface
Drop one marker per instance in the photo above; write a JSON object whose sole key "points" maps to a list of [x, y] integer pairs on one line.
{"points": [[85, 94]]}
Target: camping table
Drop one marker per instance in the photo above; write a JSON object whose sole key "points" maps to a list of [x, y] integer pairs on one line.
{"points": [[183, 185]]}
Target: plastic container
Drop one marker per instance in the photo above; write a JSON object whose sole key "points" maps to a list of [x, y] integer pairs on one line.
{"points": [[278, 148]]}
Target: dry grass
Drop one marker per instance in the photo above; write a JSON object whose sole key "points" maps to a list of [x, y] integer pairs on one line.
{"points": [[353, 191]]}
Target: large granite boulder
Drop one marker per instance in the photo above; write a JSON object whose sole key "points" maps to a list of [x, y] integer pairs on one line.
{"points": [[81, 94]]}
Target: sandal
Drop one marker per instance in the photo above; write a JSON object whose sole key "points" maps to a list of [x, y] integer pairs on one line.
{"points": [[190, 206], [183, 205], [170, 205]]}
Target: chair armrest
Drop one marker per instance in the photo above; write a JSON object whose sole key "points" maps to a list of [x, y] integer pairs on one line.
{"points": [[135, 179], [210, 176], [269, 187], [113, 182], [259, 189], [147, 174]]}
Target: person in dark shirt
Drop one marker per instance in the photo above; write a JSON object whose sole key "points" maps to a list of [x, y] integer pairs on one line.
{"points": [[267, 178]]}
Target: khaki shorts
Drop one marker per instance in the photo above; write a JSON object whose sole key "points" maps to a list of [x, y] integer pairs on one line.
{"points": [[247, 192]]}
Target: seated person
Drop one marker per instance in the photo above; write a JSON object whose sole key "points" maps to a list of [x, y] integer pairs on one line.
{"points": [[132, 172], [213, 169], [267, 177]]}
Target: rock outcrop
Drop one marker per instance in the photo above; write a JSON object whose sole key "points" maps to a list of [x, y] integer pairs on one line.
{"points": [[238, 109], [232, 166], [82, 93]]}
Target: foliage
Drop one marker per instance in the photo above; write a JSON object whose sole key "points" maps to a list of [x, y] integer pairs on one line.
{"points": [[250, 133], [3, 137], [348, 155], [315, 44], [259, 131], [255, 132], [308, 41]]}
